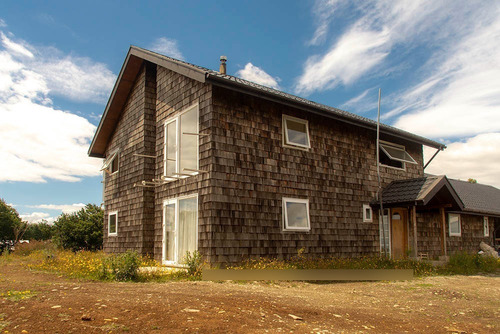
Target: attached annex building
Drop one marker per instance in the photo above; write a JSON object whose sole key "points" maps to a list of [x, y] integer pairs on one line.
{"points": [[196, 159]]}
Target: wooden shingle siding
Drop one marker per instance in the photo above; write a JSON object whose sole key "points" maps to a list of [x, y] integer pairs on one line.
{"points": [[133, 134], [429, 234], [175, 93], [253, 172]]}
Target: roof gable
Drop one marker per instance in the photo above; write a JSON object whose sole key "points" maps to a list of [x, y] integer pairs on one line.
{"points": [[421, 191]]}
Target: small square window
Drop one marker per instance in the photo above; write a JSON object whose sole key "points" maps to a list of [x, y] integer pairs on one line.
{"points": [[110, 165], [367, 214], [486, 227], [296, 214], [113, 223], [454, 224], [295, 132]]}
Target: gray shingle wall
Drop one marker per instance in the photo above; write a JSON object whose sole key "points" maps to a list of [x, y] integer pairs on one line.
{"points": [[174, 94], [253, 172], [132, 135]]}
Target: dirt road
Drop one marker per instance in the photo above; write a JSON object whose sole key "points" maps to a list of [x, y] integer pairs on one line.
{"points": [[45, 303]]}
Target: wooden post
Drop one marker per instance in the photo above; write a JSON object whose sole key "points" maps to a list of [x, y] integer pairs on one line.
{"points": [[443, 224], [414, 220]]}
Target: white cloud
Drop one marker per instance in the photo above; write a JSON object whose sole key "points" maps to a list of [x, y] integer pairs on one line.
{"points": [[64, 208], [364, 102], [37, 217], [2, 23], [461, 96], [382, 26], [477, 157], [76, 78], [38, 141], [167, 46], [323, 11], [255, 74]]}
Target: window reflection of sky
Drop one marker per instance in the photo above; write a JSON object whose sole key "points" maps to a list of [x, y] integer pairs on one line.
{"points": [[297, 214]]}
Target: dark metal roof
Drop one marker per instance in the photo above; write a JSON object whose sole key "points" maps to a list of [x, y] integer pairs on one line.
{"points": [[137, 55], [420, 191], [478, 198]]}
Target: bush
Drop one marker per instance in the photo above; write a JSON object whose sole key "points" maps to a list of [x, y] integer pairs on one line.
{"points": [[121, 267], [464, 263], [81, 230], [26, 249], [195, 264], [39, 231]]}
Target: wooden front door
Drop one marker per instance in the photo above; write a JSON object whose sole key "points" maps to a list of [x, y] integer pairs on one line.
{"points": [[399, 232]]}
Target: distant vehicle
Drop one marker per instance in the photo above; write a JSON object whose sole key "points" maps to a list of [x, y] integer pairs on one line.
{"points": [[6, 246]]}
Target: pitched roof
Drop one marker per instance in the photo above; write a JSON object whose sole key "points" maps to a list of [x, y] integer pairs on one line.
{"points": [[420, 191], [136, 56], [478, 198]]}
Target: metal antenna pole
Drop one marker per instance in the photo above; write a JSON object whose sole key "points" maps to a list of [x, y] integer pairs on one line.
{"points": [[379, 192]]}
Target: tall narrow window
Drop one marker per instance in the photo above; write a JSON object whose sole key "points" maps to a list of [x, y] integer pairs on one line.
{"points": [[367, 213], [486, 227], [394, 155], [296, 214], [295, 132], [180, 228], [385, 230], [171, 147], [181, 144], [113, 223], [454, 224]]}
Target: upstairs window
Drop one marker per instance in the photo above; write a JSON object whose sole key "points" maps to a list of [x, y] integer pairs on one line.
{"points": [[454, 224], [295, 132], [296, 214], [113, 223], [367, 214], [486, 227], [394, 155], [110, 165], [181, 144]]}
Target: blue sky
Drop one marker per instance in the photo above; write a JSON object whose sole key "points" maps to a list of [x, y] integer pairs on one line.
{"points": [[437, 62]]}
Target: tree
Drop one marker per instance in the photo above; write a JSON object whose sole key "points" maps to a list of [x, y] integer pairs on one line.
{"points": [[11, 226], [40, 231], [80, 230], [470, 180]]}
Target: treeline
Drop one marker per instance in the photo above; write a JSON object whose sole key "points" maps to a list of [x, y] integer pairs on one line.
{"points": [[81, 230]]}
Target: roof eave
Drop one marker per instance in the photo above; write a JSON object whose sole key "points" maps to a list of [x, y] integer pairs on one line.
{"points": [[233, 85]]}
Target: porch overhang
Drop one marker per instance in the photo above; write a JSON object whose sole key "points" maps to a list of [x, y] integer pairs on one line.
{"points": [[427, 191]]}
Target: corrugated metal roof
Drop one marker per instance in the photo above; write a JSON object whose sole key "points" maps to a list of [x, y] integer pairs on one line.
{"points": [[478, 198]]}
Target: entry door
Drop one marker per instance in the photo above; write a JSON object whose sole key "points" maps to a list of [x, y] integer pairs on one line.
{"points": [[399, 232]]}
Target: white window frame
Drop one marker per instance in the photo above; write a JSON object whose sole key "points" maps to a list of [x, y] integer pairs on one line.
{"points": [[178, 143], [380, 229], [176, 239], [116, 223], [453, 234], [108, 163], [366, 219], [285, 214], [398, 147], [286, 141], [486, 226]]}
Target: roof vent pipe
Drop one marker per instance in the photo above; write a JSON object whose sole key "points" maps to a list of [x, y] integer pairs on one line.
{"points": [[222, 68]]}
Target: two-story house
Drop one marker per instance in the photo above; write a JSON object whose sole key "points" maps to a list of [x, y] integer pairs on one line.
{"points": [[196, 159]]}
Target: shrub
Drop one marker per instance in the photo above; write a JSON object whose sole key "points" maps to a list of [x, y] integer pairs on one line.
{"points": [[464, 263], [121, 267], [25, 249], [81, 230], [195, 264]]}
